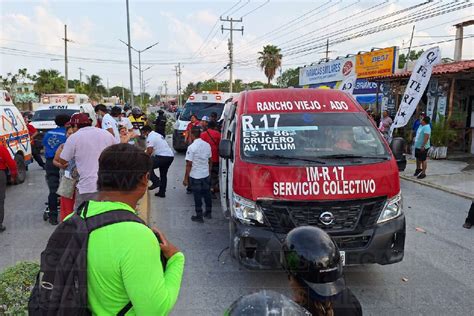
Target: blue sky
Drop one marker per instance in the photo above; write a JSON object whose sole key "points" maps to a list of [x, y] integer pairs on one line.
{"points": [[31, 32]]}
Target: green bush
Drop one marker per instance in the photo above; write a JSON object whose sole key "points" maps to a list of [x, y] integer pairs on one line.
{"points": [[16, 283], [442, 133]]}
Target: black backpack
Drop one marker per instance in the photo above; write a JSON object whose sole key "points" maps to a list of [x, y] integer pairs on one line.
{"points": [[61, 284]]}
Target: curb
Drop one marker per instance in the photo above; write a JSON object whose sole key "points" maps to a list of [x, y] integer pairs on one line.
{"points": [[438, 187]]}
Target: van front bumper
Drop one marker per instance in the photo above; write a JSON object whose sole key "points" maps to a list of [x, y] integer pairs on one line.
{"points": [[179, 142], [260, 248]]}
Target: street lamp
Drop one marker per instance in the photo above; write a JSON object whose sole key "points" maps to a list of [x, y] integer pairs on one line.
{"points": [[140, 63]]}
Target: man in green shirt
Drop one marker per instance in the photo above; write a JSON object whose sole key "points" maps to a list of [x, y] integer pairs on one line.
{"points": [[123, 259]]}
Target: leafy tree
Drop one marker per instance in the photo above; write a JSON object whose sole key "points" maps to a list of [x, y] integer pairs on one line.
{"points": [[270, 60], [117, 91], [402, 59], [94, 87], [49, 81], [289, 78]]}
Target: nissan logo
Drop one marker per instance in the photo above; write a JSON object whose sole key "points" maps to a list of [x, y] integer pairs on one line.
{"points": [[326, 218]]}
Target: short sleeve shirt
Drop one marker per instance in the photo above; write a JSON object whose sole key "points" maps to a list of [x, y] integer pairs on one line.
{"points": [[85, 147], [199, 153], [420, 136], [213, 138], [109, 122], [125, 121], [159, 144]]}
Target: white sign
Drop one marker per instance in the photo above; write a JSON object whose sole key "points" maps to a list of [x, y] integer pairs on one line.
{"points": [[334, 70], [416, 86], [348, 84]]}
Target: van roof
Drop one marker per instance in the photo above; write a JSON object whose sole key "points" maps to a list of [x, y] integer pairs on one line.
{"points": [[298, 100]]}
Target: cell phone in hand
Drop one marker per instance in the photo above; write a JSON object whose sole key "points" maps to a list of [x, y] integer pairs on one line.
{"points": [[162, 256]]}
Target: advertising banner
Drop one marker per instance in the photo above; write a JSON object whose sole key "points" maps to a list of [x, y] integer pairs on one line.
{"points": [[363, 86], [334, 70], [348, 84], [377, 63], [416, 86]]}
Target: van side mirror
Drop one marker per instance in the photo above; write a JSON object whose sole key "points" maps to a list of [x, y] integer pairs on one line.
{"points": [[398, 149], [225, 149]]}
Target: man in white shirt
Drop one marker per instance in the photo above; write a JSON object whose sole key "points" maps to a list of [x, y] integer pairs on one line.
{"points": [[162, 156], [110, 122], [198, 166]]}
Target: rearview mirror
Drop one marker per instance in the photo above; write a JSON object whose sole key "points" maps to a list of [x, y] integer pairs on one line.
{"points": [[225, 149], [398, 149]]}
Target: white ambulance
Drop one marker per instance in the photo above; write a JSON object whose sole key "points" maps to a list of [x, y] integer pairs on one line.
{"points": [[199, 104], [55, 104], [14, 134]]}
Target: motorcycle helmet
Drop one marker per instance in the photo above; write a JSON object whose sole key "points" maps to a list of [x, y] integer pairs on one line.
{"points": [[312, 257], [265, 303]]}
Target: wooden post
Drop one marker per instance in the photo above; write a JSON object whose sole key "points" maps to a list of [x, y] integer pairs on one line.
{"points": [[143, 208], [451, 98]]}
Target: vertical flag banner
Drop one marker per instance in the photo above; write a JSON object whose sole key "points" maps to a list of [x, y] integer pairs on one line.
{"points": [[348, 84], [416, 86]]}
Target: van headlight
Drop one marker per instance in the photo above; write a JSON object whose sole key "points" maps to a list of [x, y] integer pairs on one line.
{"points": [[246, 211], [392, 209]]}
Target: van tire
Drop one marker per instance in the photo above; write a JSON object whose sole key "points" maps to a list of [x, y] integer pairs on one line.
{"points": [[21, 167]]}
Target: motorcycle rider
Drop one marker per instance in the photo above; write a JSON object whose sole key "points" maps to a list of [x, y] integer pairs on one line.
{"points": [[314, 266]]}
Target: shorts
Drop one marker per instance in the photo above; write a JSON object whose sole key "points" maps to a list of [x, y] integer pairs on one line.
{"points": [[421, 155]]}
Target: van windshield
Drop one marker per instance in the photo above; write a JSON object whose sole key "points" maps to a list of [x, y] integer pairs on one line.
{"points": [[299, 138], [50, 115], [200, 109]]}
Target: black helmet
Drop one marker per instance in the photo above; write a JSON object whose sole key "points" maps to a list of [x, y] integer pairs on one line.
{"points": [[136, 111], [312, 257], [264, 303]]}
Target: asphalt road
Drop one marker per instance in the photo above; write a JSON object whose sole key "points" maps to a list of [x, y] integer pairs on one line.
{"points": [[437, 266]]}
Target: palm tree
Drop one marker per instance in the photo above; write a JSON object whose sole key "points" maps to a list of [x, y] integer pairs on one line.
{"points": [[93, 86], [270, 61]]}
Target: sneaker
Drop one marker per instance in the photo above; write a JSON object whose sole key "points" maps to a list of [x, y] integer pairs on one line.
{"points": [[421, 176], [208, 215], [189, 191], [2, 228], [467, 225], [161, 195], [196, 218], [53, 221], [417, 172]]}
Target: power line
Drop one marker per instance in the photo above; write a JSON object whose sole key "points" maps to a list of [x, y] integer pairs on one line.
{"points": [[252, 11], [238, 9]]}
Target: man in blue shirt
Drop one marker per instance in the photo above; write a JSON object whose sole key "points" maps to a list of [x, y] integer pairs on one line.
{"points": [[422, 144], [51, 142]]}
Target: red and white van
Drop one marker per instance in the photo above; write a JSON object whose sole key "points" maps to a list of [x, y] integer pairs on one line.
{"points": [[294, 157]]}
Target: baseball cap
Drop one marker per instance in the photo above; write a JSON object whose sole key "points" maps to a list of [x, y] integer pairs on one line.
{"points": [[79, 118], [205, 118]]}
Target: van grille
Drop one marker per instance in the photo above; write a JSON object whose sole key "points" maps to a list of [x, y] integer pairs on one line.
{"points": [[348, 215]]}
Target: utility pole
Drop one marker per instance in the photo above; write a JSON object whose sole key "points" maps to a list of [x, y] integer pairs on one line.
{"points": [[409, 48], [129, 45], [165, 83], [65, 58], [178, 83], [231, 44], [80, 75], [327, 50]]}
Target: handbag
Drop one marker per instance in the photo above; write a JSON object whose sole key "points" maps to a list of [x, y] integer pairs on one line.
{"points": [[67, 187]]}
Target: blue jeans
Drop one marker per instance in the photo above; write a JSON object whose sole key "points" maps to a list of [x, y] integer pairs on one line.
{"points": [[201, 189]]}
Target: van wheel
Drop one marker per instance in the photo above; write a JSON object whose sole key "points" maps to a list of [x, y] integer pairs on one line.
{"points": [[21, 167]]}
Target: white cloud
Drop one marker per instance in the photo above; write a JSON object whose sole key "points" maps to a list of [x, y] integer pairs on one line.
{"points": [[141, 31], [204, 17]]}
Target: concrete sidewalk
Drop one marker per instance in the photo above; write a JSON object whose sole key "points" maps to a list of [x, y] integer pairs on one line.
{"points": [[455, 177]]}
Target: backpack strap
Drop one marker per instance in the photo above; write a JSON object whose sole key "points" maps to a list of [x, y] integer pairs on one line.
{"points": [[125, 309], [111, 217]]}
